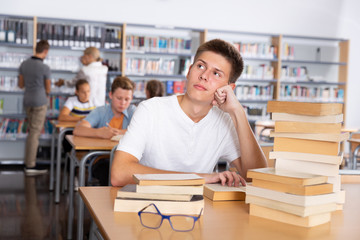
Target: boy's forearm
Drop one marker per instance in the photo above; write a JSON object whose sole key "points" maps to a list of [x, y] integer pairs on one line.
{"points": [[252, 155], [86, 131]]}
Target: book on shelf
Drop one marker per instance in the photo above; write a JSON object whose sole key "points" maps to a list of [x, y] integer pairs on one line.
{"points": [[282, 144], [305, 108], [192, 207], [129, 192], [300, 211], [218, 192], [307, 166], [163, 189], [172, 179], [299, 200], [303, 118], [327, 137], [305, 190], [308, 157], [290, 177], [307, 127], [280, 216]]}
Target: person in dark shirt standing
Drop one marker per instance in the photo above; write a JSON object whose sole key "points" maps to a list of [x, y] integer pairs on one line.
{"points": [[34, 75]]}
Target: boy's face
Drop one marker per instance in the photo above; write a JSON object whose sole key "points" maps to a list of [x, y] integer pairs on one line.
{"points": [[120, 99], [209, 72], [83, 93]]}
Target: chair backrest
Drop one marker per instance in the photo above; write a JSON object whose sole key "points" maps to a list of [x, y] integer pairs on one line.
{"points": [[112, 153]]}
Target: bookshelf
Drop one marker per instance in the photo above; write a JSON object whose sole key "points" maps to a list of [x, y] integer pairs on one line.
{"points": [[277, 67]]}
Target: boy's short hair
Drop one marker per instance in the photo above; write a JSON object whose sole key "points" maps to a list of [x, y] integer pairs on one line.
{"points": [[123, 83], [41, 46], [79, 83], [155, 88], [228, 51]]}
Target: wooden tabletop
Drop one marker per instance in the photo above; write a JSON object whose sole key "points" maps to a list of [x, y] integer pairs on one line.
{"points": [[221, 220], [88, 143], [64, 124]]}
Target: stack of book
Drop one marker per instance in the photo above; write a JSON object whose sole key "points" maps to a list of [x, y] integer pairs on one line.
{"points": [[290, 197], [171, 193], [307, 140]]}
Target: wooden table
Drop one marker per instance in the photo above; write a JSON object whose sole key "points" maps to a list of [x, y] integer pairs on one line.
{"points": [[96, 147], [63, 127], [221, 220]]}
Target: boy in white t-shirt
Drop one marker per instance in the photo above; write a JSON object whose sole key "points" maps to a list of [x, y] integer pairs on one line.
{"points": [[79, 106], [191, 132]]}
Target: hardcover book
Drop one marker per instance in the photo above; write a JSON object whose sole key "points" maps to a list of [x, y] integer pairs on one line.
{"points": [[168, 179], [305, 108], [290, 177], [217, 192]]}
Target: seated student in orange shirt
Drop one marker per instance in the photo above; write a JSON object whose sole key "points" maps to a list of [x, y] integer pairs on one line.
{"points": [[79, 106], [110, 120]]}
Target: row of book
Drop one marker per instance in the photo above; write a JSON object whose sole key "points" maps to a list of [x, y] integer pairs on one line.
{"points": [[158, 66], [80, 35], [158, 44], [261, 71], [14, 31], [56, 103], [288, 52], [254, 92], [170, 86], [311, 93], [12, 60], [9, 83], [256, 50], [18, 128], [63, 63], [294, 73], [305, 186]]}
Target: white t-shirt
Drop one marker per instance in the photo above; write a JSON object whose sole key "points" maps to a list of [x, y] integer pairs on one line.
{"points": [[95, 73], [162, 136], [77, 108]]}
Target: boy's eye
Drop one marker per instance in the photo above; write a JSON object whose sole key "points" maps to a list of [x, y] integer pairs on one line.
{"points": [[217, 74], [200, 66]]}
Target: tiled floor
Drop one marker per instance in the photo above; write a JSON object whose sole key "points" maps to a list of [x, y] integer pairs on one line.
{"points": [[27, 208]]}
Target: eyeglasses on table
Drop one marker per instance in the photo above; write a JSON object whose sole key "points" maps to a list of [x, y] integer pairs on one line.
{"points": [[178, 222]]}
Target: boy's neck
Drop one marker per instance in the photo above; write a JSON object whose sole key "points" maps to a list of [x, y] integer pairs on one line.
{"points": [[195, 111]]}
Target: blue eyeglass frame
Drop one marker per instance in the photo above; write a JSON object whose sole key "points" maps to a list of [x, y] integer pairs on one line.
{"points": [[168, 218]]}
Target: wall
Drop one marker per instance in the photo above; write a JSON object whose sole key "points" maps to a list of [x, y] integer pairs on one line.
{"points": [[326, 18]]}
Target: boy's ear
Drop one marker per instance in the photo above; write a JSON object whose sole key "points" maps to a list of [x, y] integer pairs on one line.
{"points": [[110, 95], [232, 85], [189, 71]]}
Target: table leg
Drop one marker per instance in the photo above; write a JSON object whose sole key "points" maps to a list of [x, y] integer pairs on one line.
{"points": [[71, 194], [58, 163], [82, 164], [51, 184]]}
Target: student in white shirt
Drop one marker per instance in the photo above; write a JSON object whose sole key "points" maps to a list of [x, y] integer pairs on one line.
{"points": [[94, 72], [191, 132]]}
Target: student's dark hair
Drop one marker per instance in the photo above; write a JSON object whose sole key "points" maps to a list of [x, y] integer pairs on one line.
{"points": [[228, 51], [155, 88], [123, 83], [79, 83], [41, 46]]}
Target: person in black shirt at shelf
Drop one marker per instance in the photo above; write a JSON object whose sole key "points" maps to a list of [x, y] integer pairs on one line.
{"points": [[34, 76]]}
